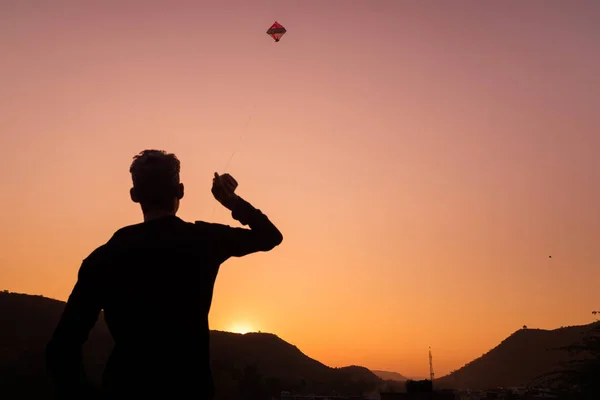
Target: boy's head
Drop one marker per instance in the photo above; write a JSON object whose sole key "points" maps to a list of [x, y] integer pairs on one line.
{"points": [[156, 186]]}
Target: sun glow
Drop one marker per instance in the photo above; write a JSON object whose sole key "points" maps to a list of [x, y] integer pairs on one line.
{"points": [[240, 327]]}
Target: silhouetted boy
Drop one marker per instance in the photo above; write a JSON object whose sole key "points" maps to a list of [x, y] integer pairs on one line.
{"points": [[154, 281]]}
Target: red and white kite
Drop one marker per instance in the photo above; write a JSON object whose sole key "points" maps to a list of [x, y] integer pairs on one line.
{"points": [[276, 31]]}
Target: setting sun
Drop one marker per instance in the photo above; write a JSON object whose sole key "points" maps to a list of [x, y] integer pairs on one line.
{"points": [[239, 327]]}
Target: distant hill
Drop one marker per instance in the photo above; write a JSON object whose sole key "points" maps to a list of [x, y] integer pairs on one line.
{"points": [[517, 361], [390, 376], [28, 321]]}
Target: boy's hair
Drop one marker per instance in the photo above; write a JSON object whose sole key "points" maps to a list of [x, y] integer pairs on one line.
{"points": [[155, 175]]}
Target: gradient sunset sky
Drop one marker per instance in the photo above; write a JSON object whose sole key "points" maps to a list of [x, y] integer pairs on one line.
{"points": [[423, 159]]}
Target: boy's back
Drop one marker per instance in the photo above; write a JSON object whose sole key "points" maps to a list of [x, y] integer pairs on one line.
{"points": [[157, 283]]}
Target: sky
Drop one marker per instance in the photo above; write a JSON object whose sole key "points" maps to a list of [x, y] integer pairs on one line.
{"points": [[423, 160]]}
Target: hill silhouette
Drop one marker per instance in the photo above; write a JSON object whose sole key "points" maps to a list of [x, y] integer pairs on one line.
{"points": [[390, 376], [517, 361], [263, 360]]}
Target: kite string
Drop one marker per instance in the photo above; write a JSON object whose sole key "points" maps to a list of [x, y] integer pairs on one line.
{"points": [[240, 140]]}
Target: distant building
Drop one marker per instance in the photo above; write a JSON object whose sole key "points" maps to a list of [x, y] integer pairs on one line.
{"points": [[290, 396], [419, 390], [420, 396]]}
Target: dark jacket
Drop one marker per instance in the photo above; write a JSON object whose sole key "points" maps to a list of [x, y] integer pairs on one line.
{"points": [[154, 281]]}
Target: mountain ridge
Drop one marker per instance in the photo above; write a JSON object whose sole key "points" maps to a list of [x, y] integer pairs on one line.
{"points": [[516, 361], [390, 375]]}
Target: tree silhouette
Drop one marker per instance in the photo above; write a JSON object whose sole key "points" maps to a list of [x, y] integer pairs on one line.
{"points": [[420, 386], [274, 386], [251, 386], [303, 384]]}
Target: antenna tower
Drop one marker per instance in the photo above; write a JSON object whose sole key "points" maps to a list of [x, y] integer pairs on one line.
{"points": [[431, 374]]}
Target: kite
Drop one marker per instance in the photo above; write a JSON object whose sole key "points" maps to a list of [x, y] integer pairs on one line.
{"points": [[276, 31]]}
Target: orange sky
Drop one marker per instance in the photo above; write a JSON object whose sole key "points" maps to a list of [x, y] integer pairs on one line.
{"points": [[422, 159]]}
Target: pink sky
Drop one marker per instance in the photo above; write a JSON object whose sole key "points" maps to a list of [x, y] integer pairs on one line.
{"points": [[423, 159]]}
